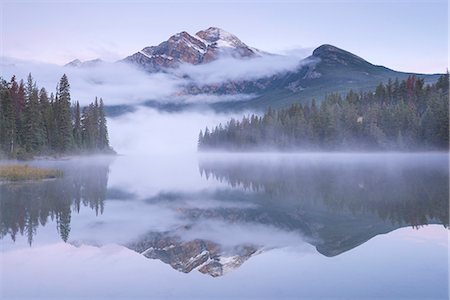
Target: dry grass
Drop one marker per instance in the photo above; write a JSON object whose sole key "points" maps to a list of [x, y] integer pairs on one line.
{"points": [[25, 172]]}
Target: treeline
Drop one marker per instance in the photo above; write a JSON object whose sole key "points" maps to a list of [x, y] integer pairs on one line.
{"points": [[34, 123], [406, 115]]}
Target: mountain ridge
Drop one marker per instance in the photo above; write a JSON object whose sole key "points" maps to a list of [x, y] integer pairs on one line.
{"points": [[327, 70], [203, 47]]}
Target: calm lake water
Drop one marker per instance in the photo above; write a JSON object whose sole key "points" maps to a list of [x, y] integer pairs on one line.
{"points": [[223, 226]]}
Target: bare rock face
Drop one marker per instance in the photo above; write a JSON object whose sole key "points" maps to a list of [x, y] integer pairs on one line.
{"points": [[76, 63], [205, 46], [205, 256], [220, 42]]}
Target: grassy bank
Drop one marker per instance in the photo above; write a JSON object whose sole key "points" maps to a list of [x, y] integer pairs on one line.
{"points": [[25, 172]]}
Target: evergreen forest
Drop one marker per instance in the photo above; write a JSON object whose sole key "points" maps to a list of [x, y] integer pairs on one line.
{"points": [[406, 115], [32, 122]]}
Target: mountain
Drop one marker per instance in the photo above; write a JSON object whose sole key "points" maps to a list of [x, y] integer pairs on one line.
{"points": [[76, 63], [203, 47], [329, 69], [206, 256]]}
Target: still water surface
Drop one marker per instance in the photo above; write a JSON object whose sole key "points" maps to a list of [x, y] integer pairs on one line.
{"points": [[222, 226]]}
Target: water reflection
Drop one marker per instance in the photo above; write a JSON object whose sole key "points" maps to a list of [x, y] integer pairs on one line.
{"points": [[333, 202], [27, 205], [341, 201], [236, 207]]}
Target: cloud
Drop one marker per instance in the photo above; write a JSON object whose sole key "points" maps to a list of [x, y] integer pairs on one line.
{"points": [[123, 84], [209, 98], [230, 69], [242, 233], [299, 51], [117, 83], [175, 133]]}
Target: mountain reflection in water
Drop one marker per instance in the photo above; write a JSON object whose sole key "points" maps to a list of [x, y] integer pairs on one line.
{"points": [[341, 203], [260, 202]]}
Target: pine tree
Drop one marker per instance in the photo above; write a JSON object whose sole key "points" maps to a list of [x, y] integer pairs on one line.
{"points": [[63, 117], [103, 128], [77, 126], [34, 134], [8, 133], [17, 92], [200, 139], [47, 117]]}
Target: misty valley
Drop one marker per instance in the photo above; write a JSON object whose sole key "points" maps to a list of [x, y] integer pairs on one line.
{"points": [[201, 167]]}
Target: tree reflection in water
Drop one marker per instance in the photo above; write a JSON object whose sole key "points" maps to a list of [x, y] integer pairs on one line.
{"points": [[27, 205]]}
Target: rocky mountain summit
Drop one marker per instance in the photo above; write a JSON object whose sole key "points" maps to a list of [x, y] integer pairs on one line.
{"points": [[76, 63], [206, 256], [328, 69], [203, 47]]}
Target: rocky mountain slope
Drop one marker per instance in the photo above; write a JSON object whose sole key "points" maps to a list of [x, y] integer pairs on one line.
{"points": [[76, 63], [205, 256], [203, 47], [328, 69]]}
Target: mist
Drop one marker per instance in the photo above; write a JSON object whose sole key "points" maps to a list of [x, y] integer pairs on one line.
{"points": [[148, 131], [234, 69], [116, 83], [123, 84]]}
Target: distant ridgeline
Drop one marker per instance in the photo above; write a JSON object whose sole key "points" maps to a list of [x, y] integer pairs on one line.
{"points": [[34, 123], [406, 115]]}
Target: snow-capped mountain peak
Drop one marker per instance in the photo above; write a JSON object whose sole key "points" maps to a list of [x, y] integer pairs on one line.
{"points": [[205, 46], [220, 37], [76, 63]]}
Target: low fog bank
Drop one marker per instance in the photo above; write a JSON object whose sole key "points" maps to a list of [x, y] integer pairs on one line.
{"points": [[233, 69], [124, 84], [117, 83], [270, 156], [148, 131]]}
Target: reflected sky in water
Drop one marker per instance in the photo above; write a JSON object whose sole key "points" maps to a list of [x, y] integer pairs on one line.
{"points": [[261, 226]]}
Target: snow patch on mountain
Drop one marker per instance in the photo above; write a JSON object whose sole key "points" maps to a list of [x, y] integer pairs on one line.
{"points": [[182, 48]]}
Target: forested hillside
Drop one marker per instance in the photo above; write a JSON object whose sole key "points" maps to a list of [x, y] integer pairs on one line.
{"points": [[399, 115], [32, 122]]}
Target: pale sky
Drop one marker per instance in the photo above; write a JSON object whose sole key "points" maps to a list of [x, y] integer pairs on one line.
{"points": [[402, 35]]}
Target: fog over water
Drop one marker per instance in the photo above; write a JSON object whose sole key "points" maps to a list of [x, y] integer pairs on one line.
{"points": [[161, 220], [318, 223], [148, 131]]}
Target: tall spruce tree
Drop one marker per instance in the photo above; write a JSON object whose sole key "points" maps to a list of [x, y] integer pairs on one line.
{"points": [[103, 128], [34, 132], [77, 126], [8, 133], [47, 117], [63, 117], [17, 92]]}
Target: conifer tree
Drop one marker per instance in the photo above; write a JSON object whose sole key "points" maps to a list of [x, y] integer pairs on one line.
{"points": [[8, 133], [103, 128], [63, 117], [17, 92], [34, 134], [77, 126], [47, 117]]}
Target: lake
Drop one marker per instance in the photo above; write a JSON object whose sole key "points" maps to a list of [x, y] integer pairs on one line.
{"points": [[230, 226]]}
